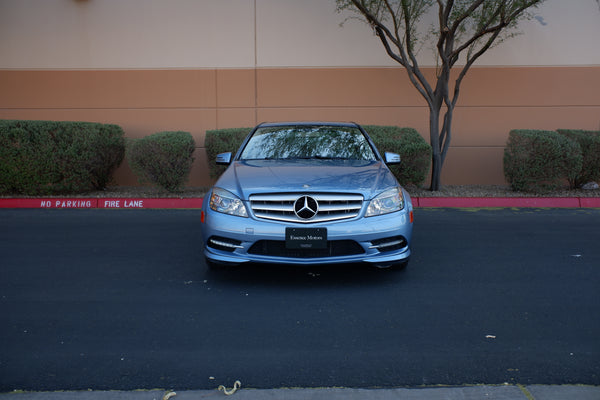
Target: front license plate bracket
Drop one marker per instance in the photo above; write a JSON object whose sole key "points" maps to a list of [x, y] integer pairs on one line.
{"points": [[306, 238]]}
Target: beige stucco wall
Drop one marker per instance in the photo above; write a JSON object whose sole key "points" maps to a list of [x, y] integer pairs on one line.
{"points": [[152, 65], [140, 34]]}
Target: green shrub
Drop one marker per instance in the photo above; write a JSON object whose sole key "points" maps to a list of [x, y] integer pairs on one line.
{"points": [[53, 157], [415, 152], [163, 159], [221, 141], [540, 161], [589, 141]]}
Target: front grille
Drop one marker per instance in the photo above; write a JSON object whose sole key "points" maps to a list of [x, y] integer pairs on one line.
{"points": [[335, 248], [306, 207]]}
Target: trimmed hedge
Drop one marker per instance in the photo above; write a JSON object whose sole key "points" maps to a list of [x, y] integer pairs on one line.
{"points": [[414, 151], [219, 141], [54, 157], [589, 141], [163, 159], [540, 161]]}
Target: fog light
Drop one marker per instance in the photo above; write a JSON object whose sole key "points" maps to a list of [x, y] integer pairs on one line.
{"points": [[225, 244], [389, 244]]}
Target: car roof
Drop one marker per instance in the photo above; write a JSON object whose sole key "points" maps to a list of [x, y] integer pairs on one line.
{"points": [[307, 123]]}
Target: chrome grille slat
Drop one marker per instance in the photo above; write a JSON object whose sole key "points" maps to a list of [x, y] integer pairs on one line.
{"points": [[293, 218], [273, 207], [274, 197], [280, 206], [339, 207]]}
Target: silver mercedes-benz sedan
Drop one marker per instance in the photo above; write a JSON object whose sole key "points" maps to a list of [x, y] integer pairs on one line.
{"points": [[307, 193]]}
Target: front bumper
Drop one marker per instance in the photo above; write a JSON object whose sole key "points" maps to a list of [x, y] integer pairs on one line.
{"points": [[381, 240]]}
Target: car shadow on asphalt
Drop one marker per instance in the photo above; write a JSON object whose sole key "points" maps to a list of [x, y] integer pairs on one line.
{"points": [[305, 275]]}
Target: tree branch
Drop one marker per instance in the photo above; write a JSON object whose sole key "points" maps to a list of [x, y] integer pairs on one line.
{"points": [[414, 73], [408, 61], [486, 28]]}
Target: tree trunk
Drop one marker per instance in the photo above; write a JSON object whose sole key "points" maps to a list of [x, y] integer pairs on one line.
{"points": [[436, 171], [434, 140]]}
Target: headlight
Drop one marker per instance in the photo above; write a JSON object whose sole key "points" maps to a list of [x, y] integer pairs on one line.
{"points": [[387, 202], [227, 203]]}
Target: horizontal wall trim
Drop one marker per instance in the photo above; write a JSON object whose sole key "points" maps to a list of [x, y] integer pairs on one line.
{"points": [[358, 107], [267, 67]]}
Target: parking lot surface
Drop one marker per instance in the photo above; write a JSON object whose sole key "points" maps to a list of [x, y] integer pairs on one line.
{"points": [[121, 300]]}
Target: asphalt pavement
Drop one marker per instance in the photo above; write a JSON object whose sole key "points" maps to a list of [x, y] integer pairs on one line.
{"points": [[120, 300]]}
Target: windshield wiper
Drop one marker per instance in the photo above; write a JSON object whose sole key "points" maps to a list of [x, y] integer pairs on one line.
{"points": [[262, 159], [321, 158]]}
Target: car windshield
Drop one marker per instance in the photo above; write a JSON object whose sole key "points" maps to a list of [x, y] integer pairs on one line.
{"points": [[308, 142]]}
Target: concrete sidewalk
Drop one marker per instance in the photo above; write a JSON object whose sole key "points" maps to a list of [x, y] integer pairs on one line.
{"points": [[488, 392]]}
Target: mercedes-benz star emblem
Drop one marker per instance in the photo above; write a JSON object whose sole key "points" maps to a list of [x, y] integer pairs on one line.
{"points": [[306, 207]]}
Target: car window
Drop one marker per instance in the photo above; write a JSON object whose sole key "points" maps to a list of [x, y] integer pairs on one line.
{"points": [[308, 142]]}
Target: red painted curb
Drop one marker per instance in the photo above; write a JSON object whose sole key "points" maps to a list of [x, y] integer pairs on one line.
{"points": [[590, 202], [150, 203], [196, 203], [115, 203], [48, 203], [483, 202]]}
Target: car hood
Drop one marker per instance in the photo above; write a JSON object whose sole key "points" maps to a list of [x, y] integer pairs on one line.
{"points": [[368, 178]]}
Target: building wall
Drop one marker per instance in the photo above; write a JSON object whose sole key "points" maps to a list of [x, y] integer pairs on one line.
{"points": [[152, 65]]}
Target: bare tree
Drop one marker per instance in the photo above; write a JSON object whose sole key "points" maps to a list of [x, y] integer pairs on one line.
{"points": [[464, 31]]}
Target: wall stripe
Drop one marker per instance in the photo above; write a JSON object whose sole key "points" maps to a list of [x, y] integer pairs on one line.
{"points": [[493, 101]]}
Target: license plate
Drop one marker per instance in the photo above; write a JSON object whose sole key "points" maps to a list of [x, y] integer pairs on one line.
{"points": [[306, 238]]}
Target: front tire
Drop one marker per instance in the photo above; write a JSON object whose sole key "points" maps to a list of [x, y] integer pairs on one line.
{"points": [[219, 266], [214, 266], [399, 266]]}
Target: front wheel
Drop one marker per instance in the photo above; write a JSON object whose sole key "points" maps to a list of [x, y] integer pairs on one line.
{"points": [[218, 266], [399, 266], [214, 266]]}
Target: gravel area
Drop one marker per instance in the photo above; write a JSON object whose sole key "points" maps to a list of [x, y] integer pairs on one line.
{"points": [[446, 191], [495, 191]]}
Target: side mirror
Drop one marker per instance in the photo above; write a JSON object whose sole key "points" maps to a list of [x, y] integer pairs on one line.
{"points": [[224, 159], [392, 158]]}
